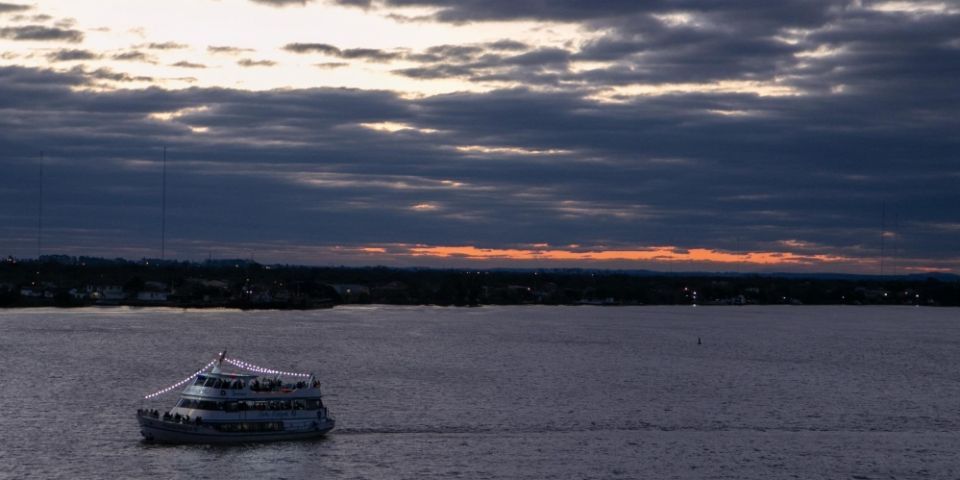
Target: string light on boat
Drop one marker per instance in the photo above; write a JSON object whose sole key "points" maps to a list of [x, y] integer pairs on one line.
{"points": [[233, 361], [254, 368], [181, 382]]}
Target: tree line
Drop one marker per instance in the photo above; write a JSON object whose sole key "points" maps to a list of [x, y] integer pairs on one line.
{"points": [[81, 281]]}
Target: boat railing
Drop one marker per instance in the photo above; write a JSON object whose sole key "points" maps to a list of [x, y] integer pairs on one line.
{"points": [[170, 418]]}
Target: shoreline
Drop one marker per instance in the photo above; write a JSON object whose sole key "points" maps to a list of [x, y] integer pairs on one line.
{"points": [[80, 282]]}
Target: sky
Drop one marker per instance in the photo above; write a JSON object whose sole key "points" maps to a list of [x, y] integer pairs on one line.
{"points": [[672, 135]]}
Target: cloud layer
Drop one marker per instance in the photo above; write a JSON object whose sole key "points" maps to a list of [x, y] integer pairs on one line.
{"points": [[727, 133]]}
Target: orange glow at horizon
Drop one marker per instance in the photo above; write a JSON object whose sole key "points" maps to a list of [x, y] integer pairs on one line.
{"points": [[657, 254]]}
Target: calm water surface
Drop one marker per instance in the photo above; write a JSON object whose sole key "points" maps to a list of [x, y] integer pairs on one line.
{"points": [[504, 392]]}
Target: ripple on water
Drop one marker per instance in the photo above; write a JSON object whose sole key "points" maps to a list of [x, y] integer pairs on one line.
{"points": [[502, 392]]}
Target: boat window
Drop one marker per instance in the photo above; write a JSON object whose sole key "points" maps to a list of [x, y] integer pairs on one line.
{"points": [[299, 404], [200, 380], [313, 404], [201, 404], [210, 381], [250, 427]]}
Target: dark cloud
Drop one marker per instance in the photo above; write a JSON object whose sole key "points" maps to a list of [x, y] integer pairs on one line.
{"points": [[653, 42], [103, 73], [65, 23], [324, 48], [133, 56], [796, 12], [20, 79], [865, 116], [461, 54], [67, 55], [227, 49], [331, 65], [165, 46], [439, 53], [568, 10], [12, 7], [721, 42], [479, 64], [282, 3], [447, 53], [31, 18], [186, 64], [40, 32], [286, 3], [368, 54], [400, 18], [507, 45], [247, 62], [492, 169], [435, 71]]}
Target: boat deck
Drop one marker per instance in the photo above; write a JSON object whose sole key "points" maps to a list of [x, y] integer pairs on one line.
{"points": [[161, 430]]}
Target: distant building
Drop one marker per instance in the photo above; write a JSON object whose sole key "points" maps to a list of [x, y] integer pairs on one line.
{"points": [[107, 293], [217, 284], [155, 286], [31, 292], [350, 292], [152, 296]]}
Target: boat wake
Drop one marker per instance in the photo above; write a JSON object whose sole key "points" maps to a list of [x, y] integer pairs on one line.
{"points": [[587, 428]]}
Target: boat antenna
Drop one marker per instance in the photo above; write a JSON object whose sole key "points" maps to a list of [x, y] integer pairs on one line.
{"points": [[223, 355]]}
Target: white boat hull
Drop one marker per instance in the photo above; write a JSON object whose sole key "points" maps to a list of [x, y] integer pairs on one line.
{"points": [[165, 431]]}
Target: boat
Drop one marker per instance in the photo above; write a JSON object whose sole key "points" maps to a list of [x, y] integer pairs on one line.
{"points": [[251, 404]]}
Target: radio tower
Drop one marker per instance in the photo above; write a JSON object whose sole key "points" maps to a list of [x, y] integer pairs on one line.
{"points": [[40, 209], [883, 234], [163, 209]]}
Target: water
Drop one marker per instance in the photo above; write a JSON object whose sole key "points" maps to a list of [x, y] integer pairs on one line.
{"points": [[504, 392]]}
